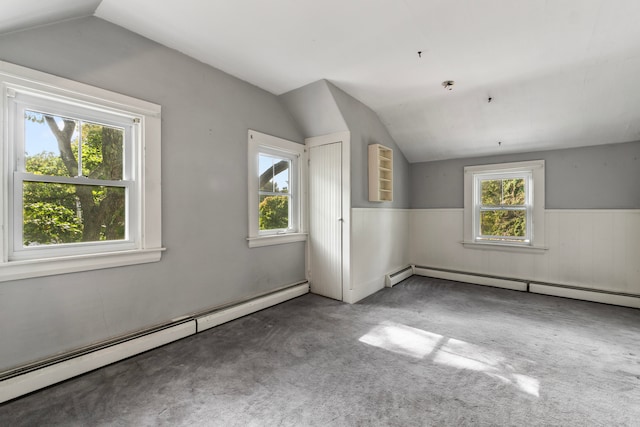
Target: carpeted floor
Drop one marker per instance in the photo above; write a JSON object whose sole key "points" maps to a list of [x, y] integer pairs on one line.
{"points": [[428, 352]]}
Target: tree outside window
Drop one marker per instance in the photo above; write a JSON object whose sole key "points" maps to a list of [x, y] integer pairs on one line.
{"points": [[274, 194], [55, 212], [503, 213]]}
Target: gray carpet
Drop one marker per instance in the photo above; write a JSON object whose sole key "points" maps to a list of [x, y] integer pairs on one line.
{"points": [[426, 353]]}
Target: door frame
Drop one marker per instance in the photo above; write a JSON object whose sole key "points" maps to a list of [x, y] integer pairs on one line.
{"points": [[345, 139]]}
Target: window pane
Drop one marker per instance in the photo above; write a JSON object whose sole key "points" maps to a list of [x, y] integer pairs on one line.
{"points": [[65, 213], [281, 180], [513, 191], [102, 148], [491, 192], [52, 144], [274, 212], [496, 192], [274, 174], [503, 223], [42, 152]]}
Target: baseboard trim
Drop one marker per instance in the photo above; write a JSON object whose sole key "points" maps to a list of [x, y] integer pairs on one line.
{"points": [[21, 381], [363, 290]]}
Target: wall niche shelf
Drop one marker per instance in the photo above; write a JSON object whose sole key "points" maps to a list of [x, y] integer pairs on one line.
{"points": [[380, 173]]}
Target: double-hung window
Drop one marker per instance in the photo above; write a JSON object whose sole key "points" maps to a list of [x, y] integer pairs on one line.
{"points": [[81, 177], [504, 204], [74, 180], [503, 208], [275, 183]]}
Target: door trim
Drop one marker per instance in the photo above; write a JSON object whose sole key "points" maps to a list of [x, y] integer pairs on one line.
{"points": [[345, 139]]}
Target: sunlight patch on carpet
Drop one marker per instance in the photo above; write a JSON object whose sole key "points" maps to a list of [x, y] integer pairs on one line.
{"points": [[421, 344]]}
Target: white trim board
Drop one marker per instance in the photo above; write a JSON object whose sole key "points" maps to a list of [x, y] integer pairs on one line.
{"points": [[363, 290], [36, 379]]}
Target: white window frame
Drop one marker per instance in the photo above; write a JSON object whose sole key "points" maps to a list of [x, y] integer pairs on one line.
{"points": [[23, 88], [260, 143], [533, 173]]}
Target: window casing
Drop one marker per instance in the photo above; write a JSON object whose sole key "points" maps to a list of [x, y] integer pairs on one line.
{"points": [[80, 177], [275, 190], [504, 205]]}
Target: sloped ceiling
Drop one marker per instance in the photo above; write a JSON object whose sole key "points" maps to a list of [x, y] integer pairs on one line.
{"points": [[19, 14], [560, 73]]}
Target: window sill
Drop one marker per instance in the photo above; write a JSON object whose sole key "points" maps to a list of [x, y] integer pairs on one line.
{"points": [[276, 239], [508, 247], [14, 270]]}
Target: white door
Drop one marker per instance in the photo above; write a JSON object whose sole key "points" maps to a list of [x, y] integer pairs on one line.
{"points": [[325, 219]]}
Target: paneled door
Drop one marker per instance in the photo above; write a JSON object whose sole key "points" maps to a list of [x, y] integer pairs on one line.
{"points": [[325, 219]]}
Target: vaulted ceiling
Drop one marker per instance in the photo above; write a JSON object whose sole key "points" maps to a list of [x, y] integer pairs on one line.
{"points": [[529, 74]]}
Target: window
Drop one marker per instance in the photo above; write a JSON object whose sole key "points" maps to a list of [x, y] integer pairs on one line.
{"points": [[81, 176], [504, 204], [275, 200], [275, 178], [503, 207]]}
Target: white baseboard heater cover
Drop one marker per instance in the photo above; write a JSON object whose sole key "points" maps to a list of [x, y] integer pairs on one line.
{"points": [[565, 291], [398, 276], [219, 317], [44, 377], [583, 294], [472, 278], [36, 379]]}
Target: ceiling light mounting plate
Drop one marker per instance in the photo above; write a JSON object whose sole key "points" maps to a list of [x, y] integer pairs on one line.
{"points": [[448, 84]]}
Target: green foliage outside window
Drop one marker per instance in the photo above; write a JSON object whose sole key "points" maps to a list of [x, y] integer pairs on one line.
{"points": [[65, 213], [501, 194], [274, 208], [274, 212]]}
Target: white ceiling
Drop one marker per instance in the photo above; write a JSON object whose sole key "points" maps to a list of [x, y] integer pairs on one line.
{"points": [[561, 73]]}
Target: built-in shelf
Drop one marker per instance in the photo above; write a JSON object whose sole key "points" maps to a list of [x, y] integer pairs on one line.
{"points": [[380, 173]]}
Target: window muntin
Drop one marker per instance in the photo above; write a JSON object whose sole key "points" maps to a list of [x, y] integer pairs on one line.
{"points": [[503, 207]]}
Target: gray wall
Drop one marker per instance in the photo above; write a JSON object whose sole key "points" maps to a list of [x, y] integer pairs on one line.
{"points": [[314, 109], [366, 129], [205, 117], [322, 108], [598, 177]]}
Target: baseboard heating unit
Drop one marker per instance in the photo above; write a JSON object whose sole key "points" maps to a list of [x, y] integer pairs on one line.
{"points": [[553, 289], [398, 276], [477, 279], [27, 379]]}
